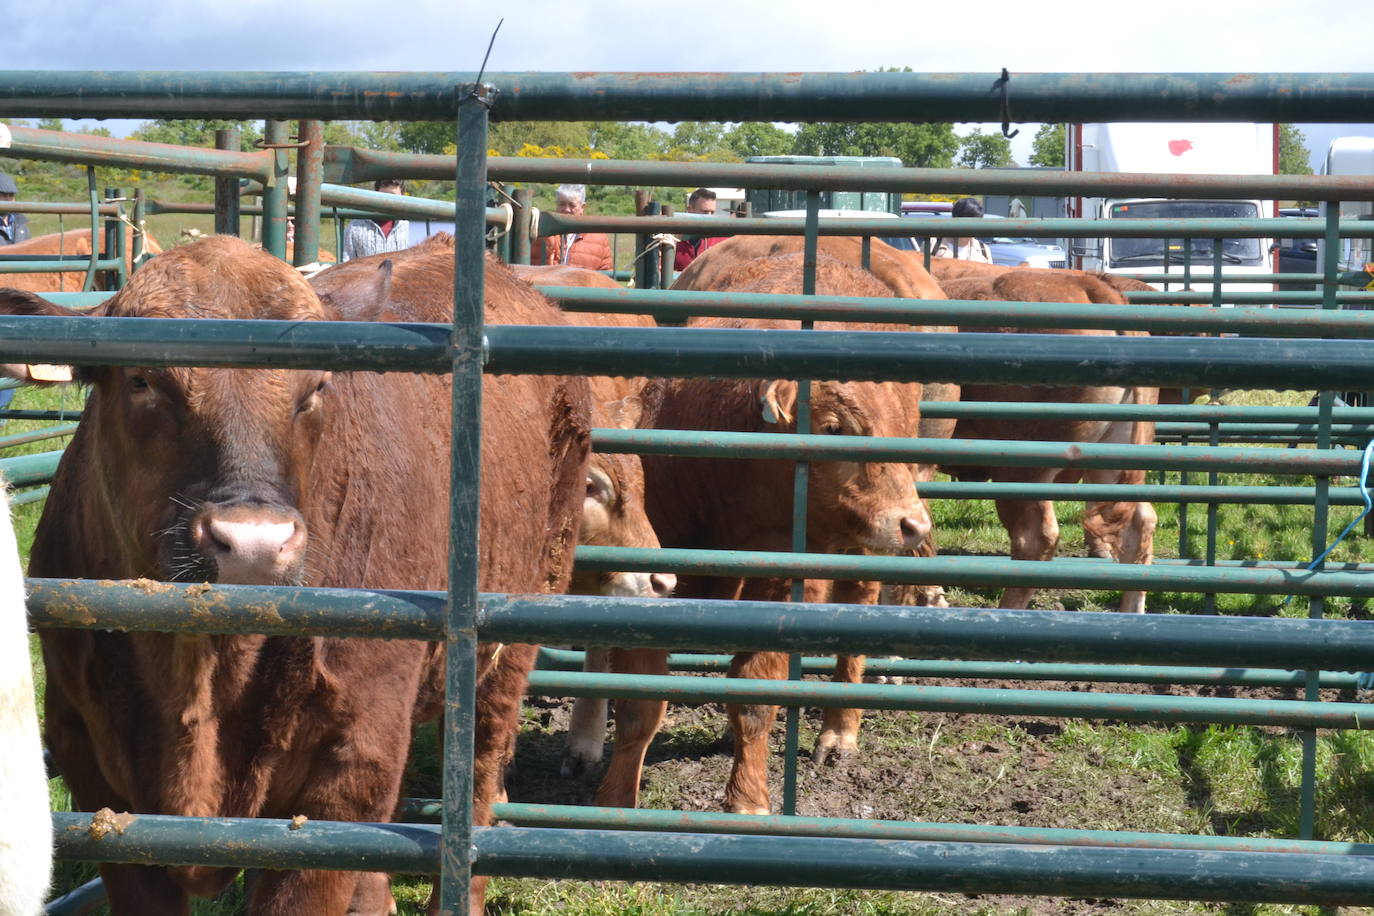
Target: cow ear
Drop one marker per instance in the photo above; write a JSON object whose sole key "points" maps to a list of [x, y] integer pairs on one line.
{"points": [[626, 412], [367, 296], [22, 302], [776, 401]]}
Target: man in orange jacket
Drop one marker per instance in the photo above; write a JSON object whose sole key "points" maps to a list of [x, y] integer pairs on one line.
{"points": [[590, 250]]}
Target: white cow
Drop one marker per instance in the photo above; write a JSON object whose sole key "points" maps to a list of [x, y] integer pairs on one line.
{"points": [[25, 821]]}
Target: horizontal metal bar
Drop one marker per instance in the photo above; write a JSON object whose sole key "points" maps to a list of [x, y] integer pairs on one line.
{"points": [[556, 223], [741, 625], [678, 304], [1079, 871], [551, 659], [144, 605], [978, 571], [40, 414], [152, 839], [1154, 493], [1072, 871], [968, 633], [1025, 359], [366, 346], [79, 902], [1123, 707], [28, 470], [381, 347], [598, 818], [1041, 182], [54, 207], [872, 96], [1176, 412], [976, 452], [1305, 431], [28, 496], [37, 435], [65, 265], [84, 149]]}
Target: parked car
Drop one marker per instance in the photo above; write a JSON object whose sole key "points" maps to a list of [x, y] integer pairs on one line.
{"points": [[1008, 251], [1297, 256]]}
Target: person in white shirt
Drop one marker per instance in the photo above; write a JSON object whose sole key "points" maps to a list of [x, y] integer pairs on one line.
{"points": [[967, 249]]}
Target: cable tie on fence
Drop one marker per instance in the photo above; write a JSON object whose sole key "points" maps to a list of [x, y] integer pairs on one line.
{"points": [[1004, 83], [476, 93], [658, 240]]}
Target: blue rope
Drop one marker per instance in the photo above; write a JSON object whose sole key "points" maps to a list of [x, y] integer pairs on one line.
{"points": [[1368, 505]]}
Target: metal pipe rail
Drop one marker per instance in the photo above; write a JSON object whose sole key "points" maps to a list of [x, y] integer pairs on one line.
{"points": [[764, 626], [970, 867], [1154, 493], [1259, 322], [572, 660], [882, 96], [554, 223], [853, 355], [976, 452], [955, 700]]}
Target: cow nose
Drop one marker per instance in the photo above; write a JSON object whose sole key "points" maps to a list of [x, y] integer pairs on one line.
{"points": [[662, 584], [251, 545], [915, 530]]}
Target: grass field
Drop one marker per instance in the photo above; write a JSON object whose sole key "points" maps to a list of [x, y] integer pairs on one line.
{"points": [[1014, 770]]}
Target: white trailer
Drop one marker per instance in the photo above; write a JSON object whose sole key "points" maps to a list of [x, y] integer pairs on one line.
{"points": [[1175, 148], [1350, 156]]}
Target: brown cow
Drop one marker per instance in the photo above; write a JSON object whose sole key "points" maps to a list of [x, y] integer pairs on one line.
{"points": [[747, 504], [74, 243], [288, 477], [1120, 530], [613, 513]]}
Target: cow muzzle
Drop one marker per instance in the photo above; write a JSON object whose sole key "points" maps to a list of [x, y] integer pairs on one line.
{"points": [[251, 544]]}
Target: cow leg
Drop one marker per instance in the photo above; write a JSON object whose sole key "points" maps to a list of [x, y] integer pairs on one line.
{"points": [[279, 893], [1034, 533], [142, 889], [587, 726], [839, 735], [747, 790], [636, 723], [1138, 546]]}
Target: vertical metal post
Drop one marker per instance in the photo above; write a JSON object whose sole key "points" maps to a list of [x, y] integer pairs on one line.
{"points": [[274, 194], [309, 177], [138, 252], [89, 283], [338, 231], [643, 276], [461, 649], [520, 227], [1316, 606], [227, 189], [1209, 600], [866, 253], [114, 242], [665, 255], [650, 260], [799, 499]]}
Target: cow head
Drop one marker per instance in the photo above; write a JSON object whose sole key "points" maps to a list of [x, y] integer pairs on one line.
{"points": [[613, 515], [852, 504], [199, 474]]}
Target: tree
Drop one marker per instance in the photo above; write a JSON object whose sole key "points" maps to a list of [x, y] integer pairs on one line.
{"points": [[1047, 149], [917, 145], [985, 151], [195, 131], [759, 139], [50, 124], [625, 140], [698, 138], [1293, 153]]}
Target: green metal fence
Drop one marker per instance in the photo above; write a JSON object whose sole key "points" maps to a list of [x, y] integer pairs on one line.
{"points": [[1105, 865]]}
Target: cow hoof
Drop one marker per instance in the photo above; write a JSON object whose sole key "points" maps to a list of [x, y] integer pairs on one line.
{"points": [[833, 754], [574, 766]]}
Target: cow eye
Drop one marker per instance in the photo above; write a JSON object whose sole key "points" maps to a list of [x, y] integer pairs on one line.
{"points": [[138, 383], [831, 428]]}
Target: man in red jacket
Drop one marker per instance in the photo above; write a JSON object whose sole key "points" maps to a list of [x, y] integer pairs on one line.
{"points": [[590, 250], [702, 200]]}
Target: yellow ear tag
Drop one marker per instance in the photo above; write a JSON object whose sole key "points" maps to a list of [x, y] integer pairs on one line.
{"points": [[50, 373]]}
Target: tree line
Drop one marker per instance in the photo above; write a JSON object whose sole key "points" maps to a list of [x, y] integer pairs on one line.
{"points": [[916, 145]]}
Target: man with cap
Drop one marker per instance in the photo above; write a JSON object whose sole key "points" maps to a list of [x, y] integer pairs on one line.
{"points": [[14, 227]]}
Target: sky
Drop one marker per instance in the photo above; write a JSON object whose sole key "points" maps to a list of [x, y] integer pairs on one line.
{"points": [[739, 35]]}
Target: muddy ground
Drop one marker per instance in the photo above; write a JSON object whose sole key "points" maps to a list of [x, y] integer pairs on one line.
{"points": [[978, 769]]}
